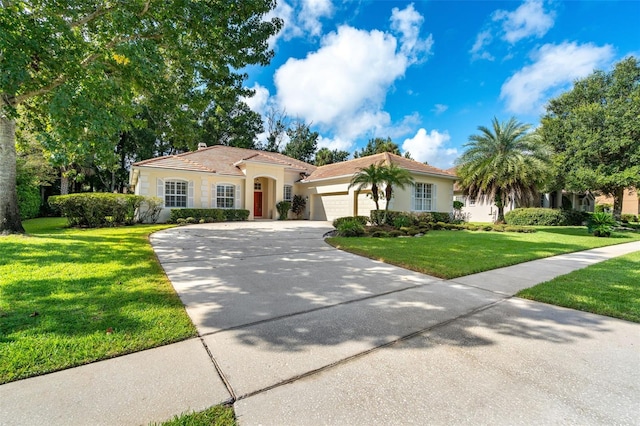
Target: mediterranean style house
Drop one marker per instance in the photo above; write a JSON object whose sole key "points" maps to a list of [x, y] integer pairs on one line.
{"points": [[236, 178]]}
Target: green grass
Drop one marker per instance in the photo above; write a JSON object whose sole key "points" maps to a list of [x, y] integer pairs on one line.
{"points": [[450, 254], [218, 415], [610, 288], [73, 296]]}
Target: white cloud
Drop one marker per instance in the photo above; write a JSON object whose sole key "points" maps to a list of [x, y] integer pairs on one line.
{"points": [[483, 39], [258, 102], [431, 147], [439, 108], [302, 18], [335, 143], [407, 22], [555, 67], [530, 19], [312, 11], [341, 87]]}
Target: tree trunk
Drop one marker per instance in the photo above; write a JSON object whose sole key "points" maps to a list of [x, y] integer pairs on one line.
{"points": [[618, 195], [9, 215], [500, 206], [64, 181]]}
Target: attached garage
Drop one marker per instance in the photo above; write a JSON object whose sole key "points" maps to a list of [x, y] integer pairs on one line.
{"points": [[331, 206], [365, 204]]}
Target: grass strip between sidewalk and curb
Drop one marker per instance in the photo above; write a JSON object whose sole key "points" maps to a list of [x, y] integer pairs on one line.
{"points": [[73, 296], [610, 288], [452, 254]]}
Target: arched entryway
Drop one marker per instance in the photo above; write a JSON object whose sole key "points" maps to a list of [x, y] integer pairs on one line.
{"points": [[264, 192]]}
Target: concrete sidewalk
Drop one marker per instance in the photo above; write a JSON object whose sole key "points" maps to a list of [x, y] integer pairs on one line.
{"points": [[300, 333]]}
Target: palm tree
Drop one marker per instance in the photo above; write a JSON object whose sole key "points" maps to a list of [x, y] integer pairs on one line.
{"points": [[372, 175], [506, 161], [394, 175]]}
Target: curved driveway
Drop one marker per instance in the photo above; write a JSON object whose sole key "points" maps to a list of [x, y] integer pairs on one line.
{"points": [[303, 333]]}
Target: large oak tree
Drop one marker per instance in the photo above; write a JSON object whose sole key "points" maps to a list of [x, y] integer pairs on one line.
{"points": [[594, 129], [77, 68]]}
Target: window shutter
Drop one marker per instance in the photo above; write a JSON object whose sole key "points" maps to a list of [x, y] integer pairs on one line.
{"points": [[214, 196], [237, 197], [190, 194], [413, 197], [160, 190], [434, 197]]}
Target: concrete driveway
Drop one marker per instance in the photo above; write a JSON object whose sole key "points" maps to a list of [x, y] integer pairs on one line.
{"points": [[306, 334]]}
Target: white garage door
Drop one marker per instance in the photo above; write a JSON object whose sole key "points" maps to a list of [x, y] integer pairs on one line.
{"points": [[330, 207], [365, 205]]}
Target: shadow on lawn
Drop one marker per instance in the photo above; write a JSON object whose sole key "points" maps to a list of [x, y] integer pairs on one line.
{"points": [[70, 298]]}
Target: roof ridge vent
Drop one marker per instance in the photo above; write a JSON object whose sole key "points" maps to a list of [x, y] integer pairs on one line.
{"points": [[202, 145]]}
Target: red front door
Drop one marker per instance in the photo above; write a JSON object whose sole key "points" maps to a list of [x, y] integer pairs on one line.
{"points": [[257, 204]]}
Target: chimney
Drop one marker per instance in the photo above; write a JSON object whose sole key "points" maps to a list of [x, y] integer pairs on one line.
{"points": [[201, 145]]}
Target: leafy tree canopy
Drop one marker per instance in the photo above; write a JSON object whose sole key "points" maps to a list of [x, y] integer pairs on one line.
{"points": [[594, 129], [377, 146], [326, 156], [80, 68], [302, 143]]}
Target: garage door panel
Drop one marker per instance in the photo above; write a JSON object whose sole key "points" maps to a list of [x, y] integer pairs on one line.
{"points": [[330, 207]]}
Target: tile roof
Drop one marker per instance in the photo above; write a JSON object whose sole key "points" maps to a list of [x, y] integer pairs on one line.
{"points": [[348, 168], [223, 160]]}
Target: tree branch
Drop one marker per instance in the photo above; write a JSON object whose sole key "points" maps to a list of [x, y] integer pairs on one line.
{"points": [[84, 63]]}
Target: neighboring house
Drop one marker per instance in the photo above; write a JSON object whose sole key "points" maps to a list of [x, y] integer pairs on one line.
{"points": [[228, 177], [478, 211], [630, 201]]}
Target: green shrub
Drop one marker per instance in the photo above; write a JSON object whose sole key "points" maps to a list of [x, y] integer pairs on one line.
{"points": [[96, 209], [29, 201], [545, 217], [362, 220], [150, 209], [601, 224], [603, 208], [298, 205], [209, 215], [396, 233], [283, 208], [402, 221], [350, 228], [624, 217]]}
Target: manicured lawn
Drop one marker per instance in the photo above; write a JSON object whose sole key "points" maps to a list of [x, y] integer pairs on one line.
{"points": [[450, 254], [610, 288], [72, 296], [215, 416]]}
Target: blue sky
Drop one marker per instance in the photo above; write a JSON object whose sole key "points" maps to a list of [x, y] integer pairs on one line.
{"points": [[428, 73]]}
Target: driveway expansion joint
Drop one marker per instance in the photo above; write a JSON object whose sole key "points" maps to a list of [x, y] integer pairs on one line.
{"points": [[221, 374], [362, 354]]}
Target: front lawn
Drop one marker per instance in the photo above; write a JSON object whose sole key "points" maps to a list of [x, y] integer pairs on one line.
{"points": [[72, 296], [450, 254], [610, 288]]}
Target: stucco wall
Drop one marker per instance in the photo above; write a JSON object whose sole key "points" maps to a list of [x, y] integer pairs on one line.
{"points": [[202, 186]]}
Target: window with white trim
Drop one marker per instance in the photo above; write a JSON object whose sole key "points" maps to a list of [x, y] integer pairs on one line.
{"points": [[225, 196], [423, 197], [175, 193], [472, 202], [288, 193]]}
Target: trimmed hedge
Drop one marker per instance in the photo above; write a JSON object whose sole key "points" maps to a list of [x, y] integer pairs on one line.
{"points": [[96, 209], [545, 217], [208, 215], [29, 201], [377, 216]]}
